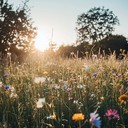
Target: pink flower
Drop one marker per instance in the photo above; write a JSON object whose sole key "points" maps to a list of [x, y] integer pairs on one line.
{"points": [[112, 114], [69, 89]]}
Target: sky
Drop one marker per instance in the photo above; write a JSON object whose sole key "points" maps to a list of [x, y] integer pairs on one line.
{"points": [[56, 19]]}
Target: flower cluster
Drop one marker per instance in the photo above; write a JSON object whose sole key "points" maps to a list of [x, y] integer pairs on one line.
{"points": [[38, 80], [8, 89], [94, 118]]}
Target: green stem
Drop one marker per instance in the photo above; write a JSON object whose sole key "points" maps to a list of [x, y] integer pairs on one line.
{"points": [[79, 124]]}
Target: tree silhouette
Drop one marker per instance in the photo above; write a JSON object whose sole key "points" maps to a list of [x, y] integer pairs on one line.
{"points": [[114, 43], [73, 51], [16, 29], [95, 25]]}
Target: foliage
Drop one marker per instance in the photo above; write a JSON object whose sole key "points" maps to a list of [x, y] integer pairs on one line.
{"points": [[117, 44], [16, 30], [73, 51], [114, 43], [48, 93], [66, 51], [95, 25]]}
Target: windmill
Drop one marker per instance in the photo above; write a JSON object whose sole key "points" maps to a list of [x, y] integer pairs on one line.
{"points": [[51, 44]]}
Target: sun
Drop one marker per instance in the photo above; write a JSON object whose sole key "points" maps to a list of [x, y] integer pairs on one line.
{"points": [[42, 42]]}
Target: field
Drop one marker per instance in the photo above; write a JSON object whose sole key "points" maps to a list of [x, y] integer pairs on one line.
{"points": [[64, 93]]}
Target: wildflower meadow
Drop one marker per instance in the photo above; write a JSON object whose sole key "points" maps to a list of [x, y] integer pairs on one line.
{"points": [[64, 93]]}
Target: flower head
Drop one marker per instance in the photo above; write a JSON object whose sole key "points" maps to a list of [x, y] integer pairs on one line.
{"points": [[69, 89], [102, 98], [78, 116], [79, 86], [6, 74], [112, 114], [119, 75], [6, 87], [40, 102], [13, 95], [52, 117], [45, 73], [38, 80], [1, 84], [123, 98], [95, 119], [12, 89], [56, 87], [85, 68], [94, 74], [65, 86]]}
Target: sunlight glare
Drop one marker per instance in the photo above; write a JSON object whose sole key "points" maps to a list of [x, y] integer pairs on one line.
{"points": [[42, 42]]}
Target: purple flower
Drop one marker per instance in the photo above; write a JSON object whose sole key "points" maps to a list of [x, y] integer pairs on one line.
{"points": [[94, 74], [6, 74], [112, 114], [46, 93], [95, 119]]}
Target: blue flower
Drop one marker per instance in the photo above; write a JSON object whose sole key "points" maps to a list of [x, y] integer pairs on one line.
{"points": [[65, 86], [6, 87], [95, 119]]}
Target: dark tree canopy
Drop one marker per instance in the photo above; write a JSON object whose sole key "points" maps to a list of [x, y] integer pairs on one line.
{"points": [[114, 43], [95, 25], [16, 29]]}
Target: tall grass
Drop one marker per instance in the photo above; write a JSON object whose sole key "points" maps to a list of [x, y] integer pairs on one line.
{"points": [[46, 92]]}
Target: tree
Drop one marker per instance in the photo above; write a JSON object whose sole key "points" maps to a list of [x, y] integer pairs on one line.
{"points": [[114, 43], [66, 51], [16, 29], [95, 25]]}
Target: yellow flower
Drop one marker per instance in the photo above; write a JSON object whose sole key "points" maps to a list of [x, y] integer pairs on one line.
{"points": [[78, 116], [123, 98], [102, 98], [45, 73]]}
